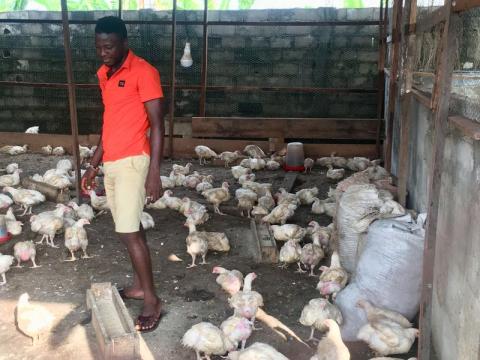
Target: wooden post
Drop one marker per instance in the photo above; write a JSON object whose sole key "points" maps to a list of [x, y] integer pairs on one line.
{"points": [[173, 79], [408, 60], [445, 65], [72, 100], [392, 88], [120, 9], [203, 92], [381, 74]]}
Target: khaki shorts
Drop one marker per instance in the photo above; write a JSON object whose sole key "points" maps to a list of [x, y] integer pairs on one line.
{"points": [[125, 190]]}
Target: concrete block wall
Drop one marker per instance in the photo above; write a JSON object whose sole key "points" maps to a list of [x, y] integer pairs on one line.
{"points": [[300, 56]]}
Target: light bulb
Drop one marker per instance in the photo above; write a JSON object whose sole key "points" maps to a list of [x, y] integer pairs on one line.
{"points": [[186, 60]]}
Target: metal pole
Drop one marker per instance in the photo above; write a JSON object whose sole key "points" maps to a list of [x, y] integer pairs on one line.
{"points": [[172, 80], [203, 94], [120, 9], [71, 95]]}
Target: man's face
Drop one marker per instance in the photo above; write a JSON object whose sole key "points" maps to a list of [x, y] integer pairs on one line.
{"points": [[110, 48]]}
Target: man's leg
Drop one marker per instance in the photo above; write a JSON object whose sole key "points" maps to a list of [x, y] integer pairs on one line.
{"points": [[136, 290]]}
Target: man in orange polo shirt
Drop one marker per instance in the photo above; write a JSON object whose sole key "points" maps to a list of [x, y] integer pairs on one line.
{"points": [[133, 98]]}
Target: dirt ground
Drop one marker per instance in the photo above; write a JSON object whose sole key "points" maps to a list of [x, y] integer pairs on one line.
{"points": [[189, 295]]}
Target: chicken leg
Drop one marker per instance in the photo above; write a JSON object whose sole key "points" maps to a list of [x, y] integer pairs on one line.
{"points": [[52, 244], [85, 255], [41, 240], [73, 258], [193, 261], [34, 265], [311, 271], [312, 338], [203, 260], [217, 209], [300, 270], [18, 263], [4, 279]]}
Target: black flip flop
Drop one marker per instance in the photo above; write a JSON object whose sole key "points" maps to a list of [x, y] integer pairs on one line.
{"points": [[121, 292], [146, 319]]}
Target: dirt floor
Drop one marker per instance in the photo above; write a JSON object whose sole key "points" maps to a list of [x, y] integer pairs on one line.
{"points": [[189, 295]]}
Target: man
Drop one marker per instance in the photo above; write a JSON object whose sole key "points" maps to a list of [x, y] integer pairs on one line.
{"points": [[133, 99]]}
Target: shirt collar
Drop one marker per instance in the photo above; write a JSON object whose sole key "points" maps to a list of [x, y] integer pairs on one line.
{"points": [[126, 64]]}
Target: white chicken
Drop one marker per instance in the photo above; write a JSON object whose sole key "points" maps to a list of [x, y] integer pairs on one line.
{"points": [[205, 184], [335, 174], [5, 262], [290, 253], [246, 200], [238, 171], [178, 179], [247, 177], [259, 211], [216, 196], [85, 153], [179, 169], [83, 211], [257, 351], [64, 164], [333, 278], [376, 313], [316, 312], [311, 255], [331, 347], [324, 207], [308, 165], [14, 226], [26, 198], [237, 329], [267, 201], [14, 149], [319, 234], [99, 203], [280, 214], [216, 241], [260, 189], [288, 232], [254, 164], [196, 215], [204, 152], [33, 320], [47, 150], [32, 130], [11, 168], [147, 221], [58, 151], [5, 201], [272, 165], [208, 339], [172, 202], [25, 251], [11, 179], [247, 301], [231, 281], [76, 238], [307, 196], [167, 183], [358, 163], [324, 161], [197, 245], [254, 151], [48, 223], [229, 157], [284, 197], [57, 178], [191, 181]]}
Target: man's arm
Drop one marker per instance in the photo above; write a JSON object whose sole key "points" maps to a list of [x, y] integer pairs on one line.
{"points": [[153, 185], [89, 176]]}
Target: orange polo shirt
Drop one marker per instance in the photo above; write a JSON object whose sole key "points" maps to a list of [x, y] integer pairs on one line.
{"points": [[125, 119]]}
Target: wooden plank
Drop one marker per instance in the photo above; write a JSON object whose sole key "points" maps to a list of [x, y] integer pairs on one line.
{"points": [[463, 5], [444, 72], [468, 127], [268, 252], [301, 128], [36, 141], [381, 77], [422, 98], [289, 181]]}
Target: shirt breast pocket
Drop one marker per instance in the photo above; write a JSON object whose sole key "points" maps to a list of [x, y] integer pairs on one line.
{"points": [[123, 91]]}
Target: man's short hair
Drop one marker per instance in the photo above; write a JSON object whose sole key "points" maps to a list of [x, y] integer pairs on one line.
{"points": [[111, 25]]}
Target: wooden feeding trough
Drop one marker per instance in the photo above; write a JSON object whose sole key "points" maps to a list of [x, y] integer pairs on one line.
{"points": [[116, 335]]}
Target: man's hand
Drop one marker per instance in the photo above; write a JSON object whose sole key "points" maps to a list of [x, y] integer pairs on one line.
{"points": [[153, 186], [88, 179]]}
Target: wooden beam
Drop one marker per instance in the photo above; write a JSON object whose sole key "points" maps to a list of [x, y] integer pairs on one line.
{"points": [[381, 77], [428, 21], [464, 5], [173, 69], [422, 98], [468, 127], [301, 128], [445, 66], [203, 75]]}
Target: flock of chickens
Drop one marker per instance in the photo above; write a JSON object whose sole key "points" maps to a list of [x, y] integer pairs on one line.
{"points": [[386, 333]]}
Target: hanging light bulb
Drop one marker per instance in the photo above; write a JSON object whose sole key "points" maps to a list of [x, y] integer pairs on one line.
{"points": [[186, 60]]}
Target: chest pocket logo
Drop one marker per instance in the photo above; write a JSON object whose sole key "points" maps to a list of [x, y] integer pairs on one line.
{"points": [[121, 83]]}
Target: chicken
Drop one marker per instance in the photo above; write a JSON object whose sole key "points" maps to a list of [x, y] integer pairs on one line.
{"points": [[325, 161], [272, 165], [158, 205], [338, 161], [307, 196], [172, 202], [247, 301], [231, 281], [288, 232], [206, 338], [247, 177], [85, 153], [308, 165], [32, 130], [259, 188], [47, 150], [246, 200], [254, 151], [358, 178], [280, 214], [316, 312], [216, 241], [266, 201], [48, 223], [331, 347], [5, 262], [335, 174], [147, 221], [230, 157], [191, 181], [257, 351], [377, 172], [14, 149], [254, 164], [64, 164], [196, 245], [289, 254], [284, 197], [324, 207], [57, 178], [167, 183], [206, 184], [14, 227], [177, 179], [25, 197], [58, 151], [5, 201], [311, 255], [25, 251], [216, 196], [259, 211], [33, 320], [179, 169], [83, 211], [238, 171], [375, 313], [320, 235], [99, 203], [11, 180], [195, 215], [37, 178], [358, 163], [333, 278], [204, 152], [387, 337], [237, 329], [11, 168], [76, 238]]}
